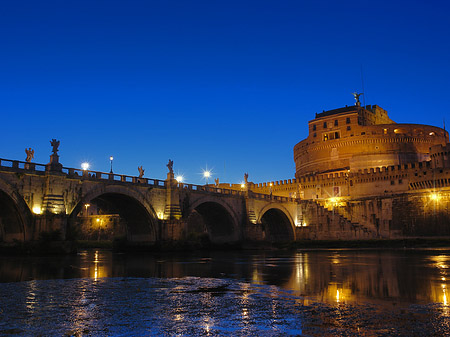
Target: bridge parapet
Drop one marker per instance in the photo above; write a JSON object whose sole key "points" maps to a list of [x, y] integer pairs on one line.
{"points": [[21, 166]]}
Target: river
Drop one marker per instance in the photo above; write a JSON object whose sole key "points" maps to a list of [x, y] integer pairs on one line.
{"points": [[272, 293]]}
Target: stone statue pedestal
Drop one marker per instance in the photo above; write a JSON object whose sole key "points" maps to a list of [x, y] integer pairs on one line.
{"points": [[54, 164], [172, 209]]}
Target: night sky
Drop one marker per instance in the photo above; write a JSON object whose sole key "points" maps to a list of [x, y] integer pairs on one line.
{"points": [[228, 85]]}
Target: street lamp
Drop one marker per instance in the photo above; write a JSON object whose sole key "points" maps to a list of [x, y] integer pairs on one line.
{"points": [[206, 175], [85, 166], [111, 158], [86, 206], [179, 178]]}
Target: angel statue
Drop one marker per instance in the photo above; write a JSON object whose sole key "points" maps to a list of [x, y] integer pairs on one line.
{"points": [[170, 166], [30, 154], [217, 182], [246, 178], [356, 96], [54, 143], [141, 171]]}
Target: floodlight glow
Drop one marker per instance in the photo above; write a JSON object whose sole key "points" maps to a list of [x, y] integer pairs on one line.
{"points": [[206, 174], [37, 210], [179, 178], [435, 196], [85, 166]]}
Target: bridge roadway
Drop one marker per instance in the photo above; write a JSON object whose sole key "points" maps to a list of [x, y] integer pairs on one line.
{"points": [[37, 198]]}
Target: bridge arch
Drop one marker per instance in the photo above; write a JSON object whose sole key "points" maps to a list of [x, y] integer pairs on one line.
{"points": [[217, 217], [138, 219], [277, 222], [15, 215]]}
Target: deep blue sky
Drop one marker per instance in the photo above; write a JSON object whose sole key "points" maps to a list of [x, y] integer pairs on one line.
{"points": [[227, 84]]}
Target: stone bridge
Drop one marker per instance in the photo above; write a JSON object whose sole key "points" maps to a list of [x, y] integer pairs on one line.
{"points": [[37, 198]]}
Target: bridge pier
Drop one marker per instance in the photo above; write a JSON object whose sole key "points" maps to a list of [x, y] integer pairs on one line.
{"points": [[50, 223]]}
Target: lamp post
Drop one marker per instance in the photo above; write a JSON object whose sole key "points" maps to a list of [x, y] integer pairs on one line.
{"points": [[85, 166], [87, 206], [206, 175], [111, 158]]}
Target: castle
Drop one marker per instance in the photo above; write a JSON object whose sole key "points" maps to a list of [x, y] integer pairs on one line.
{"points": [[359, 169]]}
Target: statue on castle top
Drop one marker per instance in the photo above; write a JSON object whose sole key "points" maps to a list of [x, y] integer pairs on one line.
{"points": [[356, 96], [55, 144], [170, 166], [217, 182], [141, 171], [246, 178], [30, 154]]}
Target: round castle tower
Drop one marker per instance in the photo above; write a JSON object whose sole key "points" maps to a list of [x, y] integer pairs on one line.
{"points": [[356, 138]]}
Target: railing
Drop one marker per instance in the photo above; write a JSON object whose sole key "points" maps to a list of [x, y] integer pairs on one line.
{"points": [[21, 166]]}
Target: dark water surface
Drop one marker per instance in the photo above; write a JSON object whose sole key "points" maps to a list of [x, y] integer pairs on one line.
{"points": [[310, 293]]}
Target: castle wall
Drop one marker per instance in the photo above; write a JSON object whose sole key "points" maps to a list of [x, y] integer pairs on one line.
{"points": [[366, 147]]}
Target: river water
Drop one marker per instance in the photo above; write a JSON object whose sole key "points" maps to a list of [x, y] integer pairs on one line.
{"points": [[272, 293]]}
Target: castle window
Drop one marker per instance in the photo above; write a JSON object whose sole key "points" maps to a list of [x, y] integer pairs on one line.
{"points": [[363, 133], [315, 134], [336, 122], [400, 181], [314, 127], [347, 120], [324, 125], [331, 135], [349, 128], [385, 131], [392, 182]]}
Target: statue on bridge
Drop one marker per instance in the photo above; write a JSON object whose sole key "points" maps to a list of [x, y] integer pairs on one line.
{"points": [[170, 166], [216, 181], [55, 144], [141, 171], [246, 178], [30, 154]]}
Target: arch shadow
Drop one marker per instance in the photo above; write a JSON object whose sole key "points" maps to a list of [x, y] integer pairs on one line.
{"points": [[215, 219], [277, 224], [115, 213], [15, 215]]}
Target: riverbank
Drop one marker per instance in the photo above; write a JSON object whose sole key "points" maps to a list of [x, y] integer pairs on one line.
{"points": [[68, 247]]}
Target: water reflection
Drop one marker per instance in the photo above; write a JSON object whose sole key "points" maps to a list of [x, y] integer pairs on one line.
{"points": [[333, 276]]}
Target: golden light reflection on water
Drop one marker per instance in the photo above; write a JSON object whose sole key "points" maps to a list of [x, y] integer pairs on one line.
{"points": [[98, 269], [439, 288], [245, 303], [31, 297]]}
